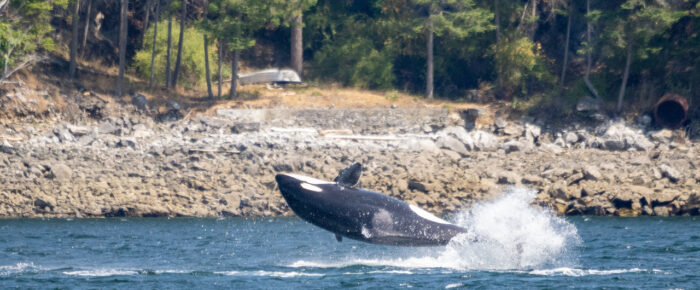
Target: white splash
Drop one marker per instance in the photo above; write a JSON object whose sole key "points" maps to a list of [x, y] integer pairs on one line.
{"points": [[101, 273], [402, 272], [173, 271], [509, 233], [504, 234], [573, 272], [6, 270], [278, 274]]}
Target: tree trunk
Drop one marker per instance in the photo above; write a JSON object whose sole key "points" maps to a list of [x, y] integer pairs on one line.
{"points": [[566, 48], [533, 18], [206, 54], [625, 76], [178, 60], [87, 26], [4, 67], [153, 52], [168, 49], [234, 74], [297, 49], [221, 77], [497, 18], [589, 60], [122, 46], [206, 67], [74, 40], [429, 60], [146, 18], [522, 26]]}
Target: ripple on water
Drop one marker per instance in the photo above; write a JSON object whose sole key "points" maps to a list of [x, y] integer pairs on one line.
{"points": [[6, 270], [572, 272], [279, 274]]}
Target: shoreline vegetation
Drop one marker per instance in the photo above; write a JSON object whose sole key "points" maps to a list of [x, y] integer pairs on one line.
{"points": [[132, 107]]}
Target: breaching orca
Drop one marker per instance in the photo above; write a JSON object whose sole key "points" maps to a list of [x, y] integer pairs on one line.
{"points": [[361, 214]]}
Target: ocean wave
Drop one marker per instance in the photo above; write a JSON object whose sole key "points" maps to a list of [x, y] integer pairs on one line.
{"points": [[262, 273], [101, 273], [453, 285], [105, 272], [407, 263], [400, 272], [573, 272], [173, 271], [21, 267]]}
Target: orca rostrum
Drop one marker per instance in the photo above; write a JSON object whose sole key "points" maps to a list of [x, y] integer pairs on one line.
{"points": [[360, 214]]}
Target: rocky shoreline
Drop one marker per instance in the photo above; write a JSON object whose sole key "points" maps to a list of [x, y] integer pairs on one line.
{"points": [[120, 162]]}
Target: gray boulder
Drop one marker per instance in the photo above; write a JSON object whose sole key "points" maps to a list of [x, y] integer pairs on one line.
{"points": [[588, 104], [500, 123], [140, 102], [61, 172], [484, 141], [669, 172], [461, 134], [571, 137], [513, 146], [591, 173], [451, 143], [662, 136], [64, 135], [532, 132]]}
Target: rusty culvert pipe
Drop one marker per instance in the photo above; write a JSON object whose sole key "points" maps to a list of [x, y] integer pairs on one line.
{"points": [[671, 111]]}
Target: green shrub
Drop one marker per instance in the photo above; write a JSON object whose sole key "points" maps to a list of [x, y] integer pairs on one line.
{"points": [[393, 95], [374, 71], [520, 62], [355, 63], [353, 58]]}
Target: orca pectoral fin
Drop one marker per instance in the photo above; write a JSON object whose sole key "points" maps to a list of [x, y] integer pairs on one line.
{"points": [[338, 238], [349, 176]]}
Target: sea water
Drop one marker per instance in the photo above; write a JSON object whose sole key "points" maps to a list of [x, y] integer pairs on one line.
{"points": [[510, 244]]}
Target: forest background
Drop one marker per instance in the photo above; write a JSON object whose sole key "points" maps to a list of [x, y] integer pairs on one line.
{"points": [[536, 54]]}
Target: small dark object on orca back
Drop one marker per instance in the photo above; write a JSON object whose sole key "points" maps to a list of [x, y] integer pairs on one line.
{"points": [[349, 176]]}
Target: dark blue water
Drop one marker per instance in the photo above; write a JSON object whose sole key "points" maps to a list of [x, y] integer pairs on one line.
{"points": [[521, 247]]}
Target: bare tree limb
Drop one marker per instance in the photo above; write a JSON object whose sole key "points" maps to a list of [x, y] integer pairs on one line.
{"points": [[28, 61], [14, 42]]}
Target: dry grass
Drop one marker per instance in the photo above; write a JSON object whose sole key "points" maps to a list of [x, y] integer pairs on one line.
{"points": [[101, 79]]}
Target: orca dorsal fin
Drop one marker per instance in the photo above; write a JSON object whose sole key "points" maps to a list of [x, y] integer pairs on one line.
{"points": [[349, 176], [338, 238]]}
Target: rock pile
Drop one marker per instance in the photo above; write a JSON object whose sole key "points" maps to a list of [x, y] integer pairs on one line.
{"points": [[129, 165]]}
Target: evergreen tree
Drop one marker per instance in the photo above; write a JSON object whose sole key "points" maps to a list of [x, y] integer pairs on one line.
{"points": [[630, 29], [24, 29], [233, 23], [74, 39], [123, 34], [453, 18], [291, 14]]}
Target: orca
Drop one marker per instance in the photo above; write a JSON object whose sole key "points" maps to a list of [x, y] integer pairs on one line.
{"points": [[360, 214]]}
